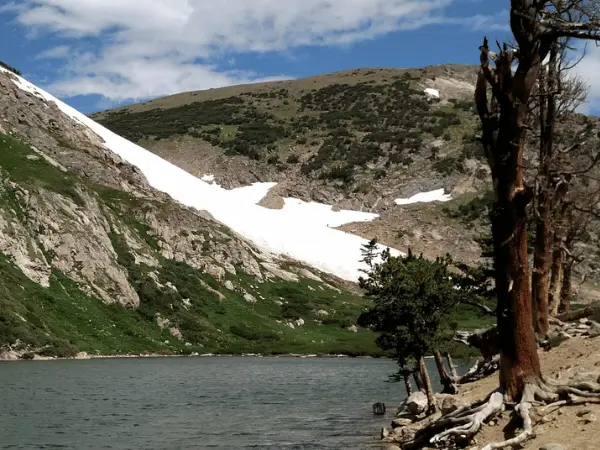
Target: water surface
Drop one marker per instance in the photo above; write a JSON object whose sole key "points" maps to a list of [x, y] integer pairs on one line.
{"points": [[195, 403]]}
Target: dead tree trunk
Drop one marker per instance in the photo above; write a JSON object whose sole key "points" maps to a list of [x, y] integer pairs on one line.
{"points": [[432, 406], [407, 385], [556, 275], [566, 289], [448, 386], [548, 83], [451, 365], [504, 139], [417, 378]]}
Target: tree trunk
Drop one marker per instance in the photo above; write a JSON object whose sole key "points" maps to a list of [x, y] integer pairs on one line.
{"points": [[504, 138], [417, 378], [406, 377], [452, 366], [543, 232], [541, 263], [566, 289], [432, 407], [555, 278], [448, 386]]}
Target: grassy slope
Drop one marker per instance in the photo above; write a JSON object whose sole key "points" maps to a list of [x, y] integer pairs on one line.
{"points": [[345, 121], [62, 319]]}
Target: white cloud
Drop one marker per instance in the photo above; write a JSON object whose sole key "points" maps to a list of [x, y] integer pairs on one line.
{"points": [[59, 52], [588, 69], [158, 47]]}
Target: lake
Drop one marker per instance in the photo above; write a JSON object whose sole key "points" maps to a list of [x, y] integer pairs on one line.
{"points": [[196, 403]]}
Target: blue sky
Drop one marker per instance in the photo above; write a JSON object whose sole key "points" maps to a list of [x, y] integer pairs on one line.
{"points": [[96, 54]]}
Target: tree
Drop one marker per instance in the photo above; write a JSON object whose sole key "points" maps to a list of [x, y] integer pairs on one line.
{"points": [[536, 27], [556, 98], [413, 299]]}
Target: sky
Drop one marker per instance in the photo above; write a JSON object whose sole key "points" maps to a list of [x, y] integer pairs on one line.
{"points": [[97, 54]]}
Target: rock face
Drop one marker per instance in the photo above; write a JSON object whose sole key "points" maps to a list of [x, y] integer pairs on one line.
{"points": [[416, 403], [81, 229]]}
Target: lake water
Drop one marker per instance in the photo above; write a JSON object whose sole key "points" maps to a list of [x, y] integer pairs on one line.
{"points": [[195, 403]]}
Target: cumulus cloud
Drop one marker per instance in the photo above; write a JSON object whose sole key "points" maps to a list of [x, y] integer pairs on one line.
{"points": [[149, 48]]}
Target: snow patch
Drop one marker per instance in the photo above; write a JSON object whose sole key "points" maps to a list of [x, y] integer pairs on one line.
{"points": [[433, 93], [209, 178], [300, 230], [438, 195]]}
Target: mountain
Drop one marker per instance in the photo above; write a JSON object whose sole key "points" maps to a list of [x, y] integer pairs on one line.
{"points": [[397, 144], [106, 248], [357, 140]]}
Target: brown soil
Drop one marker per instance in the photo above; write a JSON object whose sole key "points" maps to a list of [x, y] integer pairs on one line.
{"points": [[559, 425]]}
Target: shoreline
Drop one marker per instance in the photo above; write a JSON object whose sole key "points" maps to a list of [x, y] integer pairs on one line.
{"points": [[14, 356]]}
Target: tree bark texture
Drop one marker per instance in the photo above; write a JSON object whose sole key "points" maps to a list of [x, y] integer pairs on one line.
{"points": [[504, 138], [566, 288], [556, 276]]}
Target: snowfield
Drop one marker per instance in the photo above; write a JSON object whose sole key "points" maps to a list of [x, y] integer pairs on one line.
{"points": [[433, 93], [300, 230], [438, 195]]}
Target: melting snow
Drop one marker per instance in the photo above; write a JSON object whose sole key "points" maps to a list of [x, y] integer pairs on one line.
{"points": [[299, 230], [425, 197], [432, 92]]}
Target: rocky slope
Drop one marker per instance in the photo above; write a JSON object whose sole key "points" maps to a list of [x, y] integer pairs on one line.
{"points": [[93, 259], [356, 139]]}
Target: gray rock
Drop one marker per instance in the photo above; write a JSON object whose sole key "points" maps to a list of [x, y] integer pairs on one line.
{"points": [[451, 404], [553, 447], [594, 330], [416, 403], [379, 408], [353, 328], [249, 298], [401, 422]]}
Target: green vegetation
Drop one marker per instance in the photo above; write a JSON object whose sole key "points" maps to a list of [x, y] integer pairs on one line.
{"points": [[349, 125], [62, 319]]}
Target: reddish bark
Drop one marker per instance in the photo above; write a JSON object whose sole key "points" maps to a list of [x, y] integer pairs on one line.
{"points": [[504, 139]]}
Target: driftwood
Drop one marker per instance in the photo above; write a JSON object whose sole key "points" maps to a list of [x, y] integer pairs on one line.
{"points": [[582, 313]]}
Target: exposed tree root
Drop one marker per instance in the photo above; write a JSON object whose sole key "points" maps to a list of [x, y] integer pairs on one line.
{"points": [[462, 425]]}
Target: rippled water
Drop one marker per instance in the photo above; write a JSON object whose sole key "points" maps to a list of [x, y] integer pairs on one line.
{"points": [[195, 403]]}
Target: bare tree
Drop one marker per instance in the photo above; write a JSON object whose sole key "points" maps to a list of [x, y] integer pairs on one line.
{"points": [[536, 25]]}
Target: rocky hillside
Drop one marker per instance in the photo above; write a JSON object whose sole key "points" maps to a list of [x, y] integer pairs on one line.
{"points": [[93, 259], [357, 139]]}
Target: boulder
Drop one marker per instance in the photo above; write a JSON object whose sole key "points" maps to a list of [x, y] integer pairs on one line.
{"points": [[594, 330], [401, 422], [379, 409], [451, 404], [353, 328], [416, 403]]}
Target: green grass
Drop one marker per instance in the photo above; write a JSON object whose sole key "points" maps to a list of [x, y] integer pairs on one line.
{"points": [[26, 167]]}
